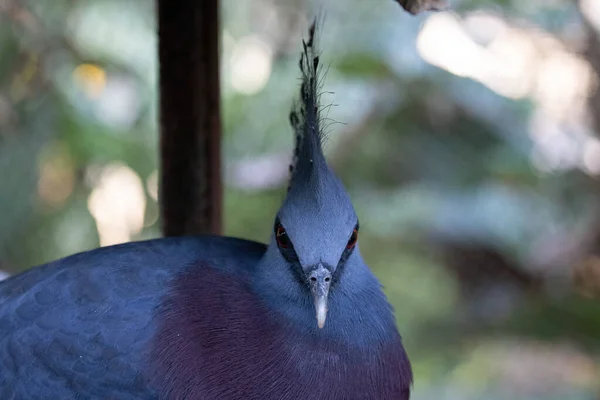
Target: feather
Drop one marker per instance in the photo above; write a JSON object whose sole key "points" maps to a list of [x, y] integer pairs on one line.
{"points": [[305, 114]]}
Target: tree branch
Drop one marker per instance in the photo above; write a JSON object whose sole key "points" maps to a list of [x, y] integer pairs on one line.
{"points": [[417, 6]]}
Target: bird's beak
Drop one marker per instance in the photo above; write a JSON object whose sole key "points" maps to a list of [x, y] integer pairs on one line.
{"points": [[320, 281]]}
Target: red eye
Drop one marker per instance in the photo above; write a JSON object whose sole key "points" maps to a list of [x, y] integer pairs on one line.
{"points": [[281, 236], [353, 239]]}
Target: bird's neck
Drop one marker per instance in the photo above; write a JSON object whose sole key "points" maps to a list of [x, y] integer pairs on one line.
{"points": [[359, 314]]}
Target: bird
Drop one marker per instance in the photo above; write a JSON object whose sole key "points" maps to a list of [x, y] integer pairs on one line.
{"points": [[214, 317]]}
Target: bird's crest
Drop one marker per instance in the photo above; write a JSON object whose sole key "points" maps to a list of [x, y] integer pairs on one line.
{"points": [[317, 215], [305, 114]]}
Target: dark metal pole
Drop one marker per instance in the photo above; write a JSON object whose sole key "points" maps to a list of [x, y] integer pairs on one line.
{"points": [[188, 49]]}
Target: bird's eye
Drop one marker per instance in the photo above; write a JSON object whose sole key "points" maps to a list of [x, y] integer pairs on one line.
{"points": [[353, 239], [282, 237]]}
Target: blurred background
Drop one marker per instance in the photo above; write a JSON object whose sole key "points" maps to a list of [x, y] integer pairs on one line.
{"points": [[468, 140]]}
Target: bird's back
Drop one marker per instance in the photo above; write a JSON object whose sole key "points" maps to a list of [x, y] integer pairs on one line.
{"points": [[80, 327]]}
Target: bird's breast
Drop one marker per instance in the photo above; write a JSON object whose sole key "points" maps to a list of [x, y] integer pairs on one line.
{"points": [[215, 340]]}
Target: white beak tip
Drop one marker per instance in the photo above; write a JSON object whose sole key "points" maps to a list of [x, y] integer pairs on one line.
{"points": [[321, 315]]}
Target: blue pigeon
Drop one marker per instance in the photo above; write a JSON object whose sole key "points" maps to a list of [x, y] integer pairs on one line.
{"points": [[215, 318]]}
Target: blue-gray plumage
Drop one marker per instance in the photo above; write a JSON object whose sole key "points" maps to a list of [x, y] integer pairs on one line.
{"points": [[213, 317]]}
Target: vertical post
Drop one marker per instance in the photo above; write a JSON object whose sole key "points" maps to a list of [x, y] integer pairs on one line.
{"points": [[190, 149]]}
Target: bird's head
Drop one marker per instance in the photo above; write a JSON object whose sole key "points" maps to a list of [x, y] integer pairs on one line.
{"points": [[315, 232]]}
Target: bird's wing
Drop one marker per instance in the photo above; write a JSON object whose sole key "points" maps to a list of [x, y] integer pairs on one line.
{"points": [[78, 325]]}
